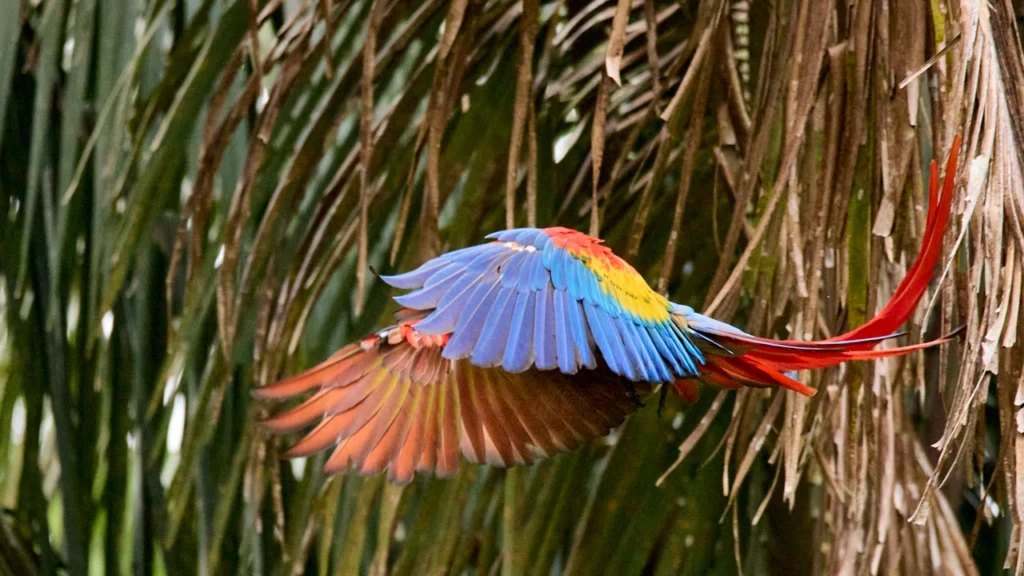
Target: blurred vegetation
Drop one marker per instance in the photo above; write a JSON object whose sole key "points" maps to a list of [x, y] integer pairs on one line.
{"points": [[191, 192]]}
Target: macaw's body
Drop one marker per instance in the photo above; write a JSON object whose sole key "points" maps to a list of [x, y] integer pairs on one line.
{"points": [[538, 341]]}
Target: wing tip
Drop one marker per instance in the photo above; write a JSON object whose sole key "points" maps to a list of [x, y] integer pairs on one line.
{"points": [[279, 424], [269, 392]]}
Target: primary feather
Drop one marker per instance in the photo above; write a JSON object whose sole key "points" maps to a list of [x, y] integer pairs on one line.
{"points": [[540, 340]]}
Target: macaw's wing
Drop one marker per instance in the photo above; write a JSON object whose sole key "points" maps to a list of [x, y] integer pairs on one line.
{"points": [[547, 298], [393, 402]]}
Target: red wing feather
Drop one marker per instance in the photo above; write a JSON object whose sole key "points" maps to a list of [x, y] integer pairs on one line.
{"points": [[401, 407]]}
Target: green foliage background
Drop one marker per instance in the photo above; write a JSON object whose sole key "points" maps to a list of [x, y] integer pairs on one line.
{"points": [[191, 192]]}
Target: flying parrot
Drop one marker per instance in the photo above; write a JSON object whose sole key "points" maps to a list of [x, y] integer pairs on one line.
{"points": [[539, 341]]}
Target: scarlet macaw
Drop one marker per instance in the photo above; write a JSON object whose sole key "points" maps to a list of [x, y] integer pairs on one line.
{"points": [[539, 341]]}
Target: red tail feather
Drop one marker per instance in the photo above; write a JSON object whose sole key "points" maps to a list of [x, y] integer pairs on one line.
{"points": [[763, 361], [907, 294]]}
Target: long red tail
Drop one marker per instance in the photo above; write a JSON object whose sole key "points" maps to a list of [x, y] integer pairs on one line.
{"points": [[736, 358]]}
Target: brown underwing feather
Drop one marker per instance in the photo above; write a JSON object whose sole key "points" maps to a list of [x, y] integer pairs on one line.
{"points": [[404, 465], [325, 434], [400, 407], [562, 435], [470, 414], [541, 443], [317, 376], [390, 448], [426, 443], [492, 420], [431, 424], [448, 462]]}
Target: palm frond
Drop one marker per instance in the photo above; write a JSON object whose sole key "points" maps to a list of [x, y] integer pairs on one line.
{"points": [[193, 190]]}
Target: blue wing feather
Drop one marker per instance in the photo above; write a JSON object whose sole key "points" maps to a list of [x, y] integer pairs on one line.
{"points": [[519, 350], [542, 242], [646, 350], [482, 270], [591, 290], [688, 352], [510, 274], [574, 277], [631, 346], [489, 259], [669, 335], [491, 344], [578, 325], [505, 235], [654, 333], [655, 363], [557, 268], [539, 276], [563, 335], [524, 274], [598, 332], [611, 349], [544, 330], [471, 323], [449, 272], [618, 347], [415, 278], [547, 257], [452, 305], [427, 297], [694, 353], [528, 236], [468, 254]]}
